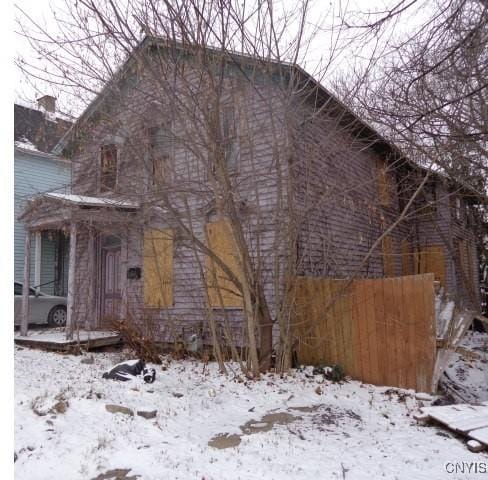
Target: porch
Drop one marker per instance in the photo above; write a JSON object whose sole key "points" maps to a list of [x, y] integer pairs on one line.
{"points": [[97, 286], [55, 339]]}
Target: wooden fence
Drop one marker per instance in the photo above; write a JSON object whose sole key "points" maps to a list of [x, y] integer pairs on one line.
{"points": [[381, 331]]}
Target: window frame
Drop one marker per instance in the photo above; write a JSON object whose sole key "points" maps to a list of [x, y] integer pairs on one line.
{"points": [[102, 186]]}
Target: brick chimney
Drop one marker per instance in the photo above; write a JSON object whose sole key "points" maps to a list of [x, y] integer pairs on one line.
{"points": [[47, 102]]}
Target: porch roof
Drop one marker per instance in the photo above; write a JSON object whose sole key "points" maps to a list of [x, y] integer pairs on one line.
{"points": [[92, 201], [55, 210]]}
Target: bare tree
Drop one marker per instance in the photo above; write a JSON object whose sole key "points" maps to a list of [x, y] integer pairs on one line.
{"points": [[213, 121]]}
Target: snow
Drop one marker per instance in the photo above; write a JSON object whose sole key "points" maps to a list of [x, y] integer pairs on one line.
{"points": [[25, 144], [356, 431], [468, 368], [95, 201]]}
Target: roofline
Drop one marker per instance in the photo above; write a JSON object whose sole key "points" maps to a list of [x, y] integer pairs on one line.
{"points": [[38, 153], [149, 41]]}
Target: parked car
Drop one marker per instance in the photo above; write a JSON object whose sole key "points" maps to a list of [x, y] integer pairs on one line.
{"points": [[43, 308]]}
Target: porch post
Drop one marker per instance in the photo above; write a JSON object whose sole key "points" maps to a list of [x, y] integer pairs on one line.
{"points": [[71, 281], [90, 320], [24, 321], [124, 310], [37, 261]]}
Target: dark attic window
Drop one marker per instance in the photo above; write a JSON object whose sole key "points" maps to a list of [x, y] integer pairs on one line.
{"points": [[108, 167]]}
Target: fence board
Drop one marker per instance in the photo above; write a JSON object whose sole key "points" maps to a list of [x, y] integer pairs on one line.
{"points": [[380, 331]]}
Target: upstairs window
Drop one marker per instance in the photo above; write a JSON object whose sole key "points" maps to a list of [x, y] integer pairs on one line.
{"points": [[229, 137], [159, 155], [384, 184], [457, 209], [108, 168], [429, 206]]}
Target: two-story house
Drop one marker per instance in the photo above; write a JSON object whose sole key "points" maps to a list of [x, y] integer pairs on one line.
{"points": [[192, 153]]}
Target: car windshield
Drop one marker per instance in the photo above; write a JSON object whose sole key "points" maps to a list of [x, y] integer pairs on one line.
{"points": [[18, 289]]}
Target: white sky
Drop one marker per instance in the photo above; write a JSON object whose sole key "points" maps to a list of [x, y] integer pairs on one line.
{"points": [[40, 10]]}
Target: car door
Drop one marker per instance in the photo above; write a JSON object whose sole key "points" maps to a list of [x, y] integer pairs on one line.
{"points": [[39, 306]]}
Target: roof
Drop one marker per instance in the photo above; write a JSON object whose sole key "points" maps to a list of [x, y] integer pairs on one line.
{"points": [[36, 130], [316, 93], [86, 201]]}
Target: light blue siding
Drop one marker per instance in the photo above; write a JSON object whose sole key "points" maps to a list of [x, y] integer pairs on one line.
{"points": [[33, 175]]}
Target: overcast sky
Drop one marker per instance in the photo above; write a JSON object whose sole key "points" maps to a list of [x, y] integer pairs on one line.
{"points": [[41, 12]]}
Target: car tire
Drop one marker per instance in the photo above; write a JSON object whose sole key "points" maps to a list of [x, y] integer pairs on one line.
{"points": [[57, 316]]}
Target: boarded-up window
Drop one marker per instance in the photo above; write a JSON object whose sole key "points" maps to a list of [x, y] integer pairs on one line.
{"points": [[222, 291], [407, 258], [229, 136], [384, 186], [432, 260], [465, 253], [108, 167], [158, 268], [388, 257], [160, 148]]}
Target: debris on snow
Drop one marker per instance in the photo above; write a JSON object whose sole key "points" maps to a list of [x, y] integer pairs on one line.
{"points": [[119, 409], [350, 426]]}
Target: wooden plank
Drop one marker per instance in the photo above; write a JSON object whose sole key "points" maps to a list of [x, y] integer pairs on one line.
{"points": [[381, 343], [432, 260], [361, 323], [330, 331], [390, 326], [407, 258], [388, 258], [158, 268], [336, 311], [481, 435], [349, 363], [357, 372], [369, 312], [401, 332], [427, 349], [412, 312], [222, 292]]}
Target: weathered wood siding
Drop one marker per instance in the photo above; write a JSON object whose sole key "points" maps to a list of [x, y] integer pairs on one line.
{"points": [[257, 187]]}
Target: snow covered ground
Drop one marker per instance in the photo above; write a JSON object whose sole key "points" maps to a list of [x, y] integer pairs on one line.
{"points": [[352, 430]]}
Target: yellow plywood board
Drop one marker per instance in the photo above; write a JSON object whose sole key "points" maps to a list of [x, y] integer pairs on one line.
{"points": [[158, 268], [222, 291]]}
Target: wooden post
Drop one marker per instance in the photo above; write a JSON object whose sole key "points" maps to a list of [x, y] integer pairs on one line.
{"points": [[24, 322], [91, 310], [71, 281], [123, 313], [37, 260]]}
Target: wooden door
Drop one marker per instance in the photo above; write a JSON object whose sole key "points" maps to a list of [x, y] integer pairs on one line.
{"points": [[111, 297]]}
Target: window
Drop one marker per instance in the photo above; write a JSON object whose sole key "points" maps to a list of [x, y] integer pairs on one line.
{"points": [[432, 259], [160, 145], [457, 208], [222, 292], [108, 168], [430, 199], [229, 137], [158, 268], [388, 256], [384, 187]]}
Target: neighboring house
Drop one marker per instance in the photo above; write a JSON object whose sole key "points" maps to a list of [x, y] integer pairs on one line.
{"points": [[37, 170], [340, 187]]}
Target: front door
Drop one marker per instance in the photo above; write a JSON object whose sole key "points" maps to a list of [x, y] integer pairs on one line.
{"points": [[110, 274]]}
